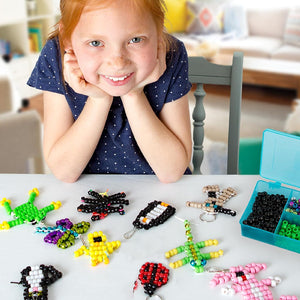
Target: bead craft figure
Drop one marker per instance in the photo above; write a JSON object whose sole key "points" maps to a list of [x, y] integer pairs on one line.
{"points": [[152, 276], [245, 283], [99, 249], [215, 201], [192, 250], [101, 205], [64, 233], [36, 280], [156, 213], [26, 213]]}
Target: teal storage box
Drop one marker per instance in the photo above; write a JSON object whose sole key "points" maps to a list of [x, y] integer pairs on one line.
{"points": [[272, 214]]}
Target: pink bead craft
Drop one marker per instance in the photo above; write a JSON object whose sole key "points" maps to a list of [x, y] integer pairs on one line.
{"points": [[244, 282]]}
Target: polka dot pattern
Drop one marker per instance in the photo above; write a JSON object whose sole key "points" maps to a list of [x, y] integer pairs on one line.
{"points": [[117, 151]]}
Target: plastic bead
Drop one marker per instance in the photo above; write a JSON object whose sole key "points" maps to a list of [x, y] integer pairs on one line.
{"points": [[99, 249], [64, 233], [152, 276], [155, 214], [102, 204], [290, 230], [244, 282], [26, 213], [194, 257], [266, 211], [215, 201], [36, 280]]}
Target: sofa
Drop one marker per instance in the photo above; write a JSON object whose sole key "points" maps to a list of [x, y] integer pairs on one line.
{"points": [[210, 27], [20, 135]]}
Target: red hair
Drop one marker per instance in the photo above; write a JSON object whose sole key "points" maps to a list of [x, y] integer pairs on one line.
{"points": [[71, 11]]}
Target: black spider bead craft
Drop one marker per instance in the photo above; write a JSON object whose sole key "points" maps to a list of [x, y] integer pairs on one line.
{"points": [[102, 204], [36, 280]]}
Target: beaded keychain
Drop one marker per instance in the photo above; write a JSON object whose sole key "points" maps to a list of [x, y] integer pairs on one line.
{"points": [[64, 233], [214, 203], [27, 212], [98, 249], [36, 280], [192, 250], [244, 282], [156, 213], [152, 276], [102, 204]]}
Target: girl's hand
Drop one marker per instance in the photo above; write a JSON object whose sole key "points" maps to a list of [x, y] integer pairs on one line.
{"points": [[157, 72], [74, 77]]}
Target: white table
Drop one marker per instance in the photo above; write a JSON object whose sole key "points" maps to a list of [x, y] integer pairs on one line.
{"points": [[20, 247]]}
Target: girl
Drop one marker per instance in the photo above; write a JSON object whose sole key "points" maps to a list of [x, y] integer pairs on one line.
{"points": [[110, 76]]}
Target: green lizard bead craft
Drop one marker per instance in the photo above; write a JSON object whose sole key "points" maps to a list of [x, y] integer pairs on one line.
{"points": [[192, 250], [26, 213]]}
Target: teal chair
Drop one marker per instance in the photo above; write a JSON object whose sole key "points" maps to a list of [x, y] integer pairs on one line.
{"points": [[201, 72]]}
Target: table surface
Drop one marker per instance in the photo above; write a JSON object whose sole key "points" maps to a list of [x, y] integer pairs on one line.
{"points": [[21, 247]]}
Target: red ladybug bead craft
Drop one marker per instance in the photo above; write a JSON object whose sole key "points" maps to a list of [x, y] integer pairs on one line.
{"points": [[152, 276]]}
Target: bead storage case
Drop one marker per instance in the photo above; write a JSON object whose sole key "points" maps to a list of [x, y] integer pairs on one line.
{"points": [[280, 172]]}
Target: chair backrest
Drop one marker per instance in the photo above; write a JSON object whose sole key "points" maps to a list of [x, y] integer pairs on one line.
{"points": [[21, 149], [201, 72]]}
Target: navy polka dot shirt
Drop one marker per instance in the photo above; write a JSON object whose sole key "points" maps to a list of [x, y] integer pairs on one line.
{"points": [[117, 151]]}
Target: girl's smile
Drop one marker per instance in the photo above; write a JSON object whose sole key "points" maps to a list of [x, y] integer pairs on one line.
{"points": [[117, 80]]}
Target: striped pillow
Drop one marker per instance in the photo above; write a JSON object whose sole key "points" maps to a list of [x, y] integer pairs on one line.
{"points": [[292, 29]]}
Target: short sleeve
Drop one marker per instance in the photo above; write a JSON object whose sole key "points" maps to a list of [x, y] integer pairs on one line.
{"points": [[47, 73], [179, 84], [174, 83]]}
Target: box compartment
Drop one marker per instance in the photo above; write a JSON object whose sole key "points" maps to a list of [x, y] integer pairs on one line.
{"points": [[280, 166]]}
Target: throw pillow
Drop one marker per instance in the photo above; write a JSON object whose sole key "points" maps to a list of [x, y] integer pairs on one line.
{"points": [[235, 21], [292, 29], [205, 17], [176, 15]]}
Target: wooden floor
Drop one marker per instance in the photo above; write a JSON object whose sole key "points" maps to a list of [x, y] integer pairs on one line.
{"points": [[263, 94]]}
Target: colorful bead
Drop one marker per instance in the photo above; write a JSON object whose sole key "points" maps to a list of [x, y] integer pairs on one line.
{"points": [[64, 233], [155, 214], [244, 282], [102, 205], [99, 249], [215, 201], [26, 213], [36, 280], [293, 206], [152, 276], [194, 257]]}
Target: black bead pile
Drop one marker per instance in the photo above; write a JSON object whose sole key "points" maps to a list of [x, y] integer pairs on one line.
{"points": [[102, 205], [266, 211], [168, 212]]}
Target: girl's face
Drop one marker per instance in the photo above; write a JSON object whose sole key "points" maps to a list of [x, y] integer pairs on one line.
{"points": [[115, 47]]}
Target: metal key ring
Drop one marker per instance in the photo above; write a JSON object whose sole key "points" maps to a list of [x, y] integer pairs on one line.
{"points": [[208, 214]]}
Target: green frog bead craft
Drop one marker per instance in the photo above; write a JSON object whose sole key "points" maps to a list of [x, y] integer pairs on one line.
{"points": [[26, 213]]}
